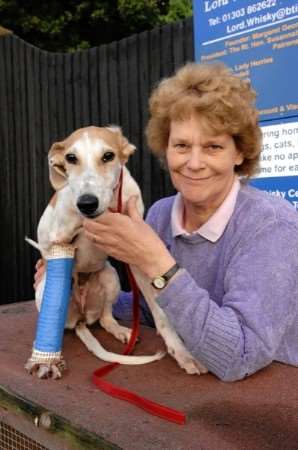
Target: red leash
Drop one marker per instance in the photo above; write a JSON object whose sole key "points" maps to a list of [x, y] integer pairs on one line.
{"points": [[151, 407]]}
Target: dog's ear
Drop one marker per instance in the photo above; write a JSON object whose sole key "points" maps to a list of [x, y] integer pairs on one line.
{"points": [[58, 177], [126, 150], [125, 147]]}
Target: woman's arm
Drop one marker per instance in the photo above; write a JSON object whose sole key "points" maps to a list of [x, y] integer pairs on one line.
{"points": [[260, 303]]}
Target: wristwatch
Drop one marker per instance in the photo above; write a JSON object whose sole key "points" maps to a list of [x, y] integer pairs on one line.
{"points": [[161, 281]]}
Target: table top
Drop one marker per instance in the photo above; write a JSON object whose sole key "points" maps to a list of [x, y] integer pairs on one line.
{"points": [[260, 412]]}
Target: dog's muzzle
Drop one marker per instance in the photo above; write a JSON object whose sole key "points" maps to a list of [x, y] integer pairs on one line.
{"points": [[88, 205]]}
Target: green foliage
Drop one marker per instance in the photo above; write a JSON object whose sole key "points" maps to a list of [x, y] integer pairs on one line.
{"points": [[69, 25], [178, 10], [139, 14]]}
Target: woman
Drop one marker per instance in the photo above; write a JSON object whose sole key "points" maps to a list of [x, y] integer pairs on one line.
{"points": [[229, 251]]}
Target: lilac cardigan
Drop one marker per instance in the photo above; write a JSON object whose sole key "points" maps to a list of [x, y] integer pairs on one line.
{"points": [[235, 301]]}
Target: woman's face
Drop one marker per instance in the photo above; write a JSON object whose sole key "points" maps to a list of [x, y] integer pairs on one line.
{"points": [[201, 165]]}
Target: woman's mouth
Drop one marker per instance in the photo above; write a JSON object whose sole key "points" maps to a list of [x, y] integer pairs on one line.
{"points": [[195, 179]]}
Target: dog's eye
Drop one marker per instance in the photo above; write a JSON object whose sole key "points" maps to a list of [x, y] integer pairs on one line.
{"points": [[71, 158], [108, 156]]}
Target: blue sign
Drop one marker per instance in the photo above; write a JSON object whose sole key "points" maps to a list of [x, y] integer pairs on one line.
{"points": [[286, 188], [259, 40]]}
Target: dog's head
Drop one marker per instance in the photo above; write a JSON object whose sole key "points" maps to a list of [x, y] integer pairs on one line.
{"points": [[89, 161]]}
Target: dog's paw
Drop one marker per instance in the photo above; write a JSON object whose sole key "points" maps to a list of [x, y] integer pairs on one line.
{"points": [[123, 334], [191, 365], [44, 371], [118, 331]]}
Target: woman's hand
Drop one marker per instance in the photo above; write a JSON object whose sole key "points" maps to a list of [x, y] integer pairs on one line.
{"points": [[40, 268], [129, 239]]}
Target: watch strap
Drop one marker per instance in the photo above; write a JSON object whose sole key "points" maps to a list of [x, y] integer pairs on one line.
{"points": [[161, 281], [171, 272]]}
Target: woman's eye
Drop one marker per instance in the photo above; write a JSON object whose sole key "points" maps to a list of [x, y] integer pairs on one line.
{"points": [[108, 156], [71, 158], [180, 146], [215, 147]]}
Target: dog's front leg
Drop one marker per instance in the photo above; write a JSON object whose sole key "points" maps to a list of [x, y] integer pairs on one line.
{"points": [[44, 370], [108, 278], [173, 342]]}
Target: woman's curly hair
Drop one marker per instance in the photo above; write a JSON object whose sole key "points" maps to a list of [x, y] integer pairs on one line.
{"points": [[225, 102]]}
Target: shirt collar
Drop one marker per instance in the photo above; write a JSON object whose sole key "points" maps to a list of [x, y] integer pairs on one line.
{"points": [[213, 229]]}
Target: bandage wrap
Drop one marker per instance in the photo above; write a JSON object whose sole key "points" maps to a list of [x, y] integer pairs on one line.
{"points": [[53, 312]]}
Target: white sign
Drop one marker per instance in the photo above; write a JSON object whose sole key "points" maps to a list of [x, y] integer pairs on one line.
{"points": [[279, 155]]}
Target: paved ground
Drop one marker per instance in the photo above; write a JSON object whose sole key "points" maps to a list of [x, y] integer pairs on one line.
{"points": [[260, 412]]}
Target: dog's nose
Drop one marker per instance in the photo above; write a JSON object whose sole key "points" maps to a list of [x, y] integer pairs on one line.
{"points": [[87, 204]]}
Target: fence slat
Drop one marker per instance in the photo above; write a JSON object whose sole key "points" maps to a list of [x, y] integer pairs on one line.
{"points": [[60, 86], [94, 86], [123, 87], [69, 95], [85, 90], [167, 68], [77, 74], [20, 147], [144, 83], [135, 134], [157, 188], [113, 80], [188, 40], [103, 86], [28, 162]]}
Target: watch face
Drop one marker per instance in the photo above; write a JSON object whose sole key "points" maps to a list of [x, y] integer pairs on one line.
{"points": [[159, 282]]}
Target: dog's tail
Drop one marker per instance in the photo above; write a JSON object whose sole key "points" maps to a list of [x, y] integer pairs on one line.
{"points": [[95, 347], [33, 243]]}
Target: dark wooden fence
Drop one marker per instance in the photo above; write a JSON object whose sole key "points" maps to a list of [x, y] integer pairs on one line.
{"points": [[44, 97]]}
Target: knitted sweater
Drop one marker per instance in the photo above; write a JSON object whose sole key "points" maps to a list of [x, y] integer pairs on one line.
{"points": [[234, 302]]}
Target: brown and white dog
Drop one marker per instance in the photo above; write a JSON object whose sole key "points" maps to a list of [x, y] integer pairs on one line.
{"points": [[84, 171]]}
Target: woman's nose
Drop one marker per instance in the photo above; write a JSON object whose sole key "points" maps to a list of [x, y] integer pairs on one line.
{"points": [[196, 159]]}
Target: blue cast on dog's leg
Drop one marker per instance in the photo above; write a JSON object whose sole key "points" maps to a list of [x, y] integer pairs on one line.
{"points": [[53, 312]]}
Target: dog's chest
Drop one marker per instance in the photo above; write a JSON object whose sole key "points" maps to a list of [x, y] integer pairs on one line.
{"points": [[88, 258]]}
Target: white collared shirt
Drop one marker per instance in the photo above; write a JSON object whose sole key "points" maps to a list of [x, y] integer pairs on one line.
{"points": [[213, 229]]}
